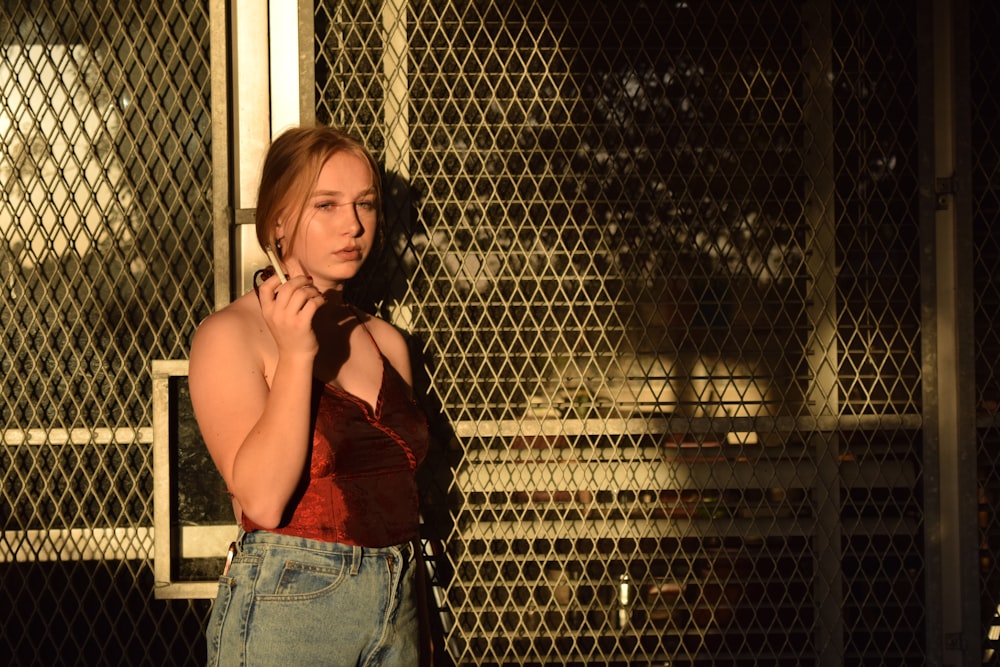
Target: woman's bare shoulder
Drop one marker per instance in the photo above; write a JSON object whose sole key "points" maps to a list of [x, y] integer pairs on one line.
{"points": [[384, 332], [236, 327], [243, 312]]}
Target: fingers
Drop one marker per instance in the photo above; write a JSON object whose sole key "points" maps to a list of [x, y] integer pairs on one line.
{"points": [[289, 307], [298, 292]]}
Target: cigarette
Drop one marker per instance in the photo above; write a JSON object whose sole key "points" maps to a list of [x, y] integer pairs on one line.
{"points": [[275, 264]]}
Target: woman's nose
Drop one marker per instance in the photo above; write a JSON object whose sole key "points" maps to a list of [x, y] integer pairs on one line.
{"points": [[348, 222], [355, 226]]}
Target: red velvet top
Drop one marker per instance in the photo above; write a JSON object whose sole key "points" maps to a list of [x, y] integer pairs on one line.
{"points": [[361, 487]]}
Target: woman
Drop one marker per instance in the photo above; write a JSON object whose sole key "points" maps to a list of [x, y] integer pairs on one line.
{"points": [[306, 408]]}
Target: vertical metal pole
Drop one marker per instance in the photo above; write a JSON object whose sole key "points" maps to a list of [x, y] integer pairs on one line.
{"points": [[955, 535], [395, 69], [292, 64], [251, 97], [221, 213], [251, 128], [274, 88], [823, 394], [395, 66], [307, 62]]}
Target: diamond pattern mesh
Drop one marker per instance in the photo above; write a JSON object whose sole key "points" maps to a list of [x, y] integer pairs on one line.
{"points": [[105, 263], [662, 273], [986, 205], [879, 280], [664, 276]]}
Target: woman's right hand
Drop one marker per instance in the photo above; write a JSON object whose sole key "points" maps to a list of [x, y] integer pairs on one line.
{"points": [[288, 311]]}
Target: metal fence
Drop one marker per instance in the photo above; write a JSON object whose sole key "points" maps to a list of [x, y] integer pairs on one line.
{"points": [[106, 264], [985, 305], [666, 267]]}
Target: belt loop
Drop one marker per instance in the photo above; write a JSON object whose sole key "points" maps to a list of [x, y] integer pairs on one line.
{"points": [[239, 539], [355, 559]]}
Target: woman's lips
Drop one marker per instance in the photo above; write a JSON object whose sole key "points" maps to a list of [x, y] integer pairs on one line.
{"points": [[349, 253]]}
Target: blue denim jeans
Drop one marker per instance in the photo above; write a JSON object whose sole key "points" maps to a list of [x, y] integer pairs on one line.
{"points": [[295, 601]]}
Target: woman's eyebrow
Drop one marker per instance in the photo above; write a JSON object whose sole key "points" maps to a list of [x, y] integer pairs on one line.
{"points": [[339, 193]]}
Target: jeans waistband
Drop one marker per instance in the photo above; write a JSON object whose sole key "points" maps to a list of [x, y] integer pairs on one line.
{"points": [[405, 551]]}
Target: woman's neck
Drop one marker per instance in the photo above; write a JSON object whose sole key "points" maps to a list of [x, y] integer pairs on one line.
{"points": [[334, 295]]}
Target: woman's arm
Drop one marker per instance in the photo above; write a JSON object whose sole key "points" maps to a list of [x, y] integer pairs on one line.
{"points": [[257, 429]]}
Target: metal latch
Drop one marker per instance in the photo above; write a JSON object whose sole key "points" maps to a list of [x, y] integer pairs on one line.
{"points": [[944, 188]]}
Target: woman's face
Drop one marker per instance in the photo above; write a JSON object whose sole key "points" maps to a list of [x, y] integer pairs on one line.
{"points": [[337, 229]]}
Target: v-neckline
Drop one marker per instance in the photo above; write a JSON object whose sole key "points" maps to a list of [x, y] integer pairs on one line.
{"points": [[371, 410]]}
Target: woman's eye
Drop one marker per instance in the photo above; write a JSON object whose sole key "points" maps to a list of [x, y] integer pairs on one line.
{"points": [[366, 205]]}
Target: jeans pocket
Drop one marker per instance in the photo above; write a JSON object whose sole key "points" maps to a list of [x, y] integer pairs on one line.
{"points": [[303, 581]]}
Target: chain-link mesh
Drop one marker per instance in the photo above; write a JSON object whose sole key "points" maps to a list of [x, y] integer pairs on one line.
{"points": [[663, 262], [986, 208], [105, 259], [878, 287]]}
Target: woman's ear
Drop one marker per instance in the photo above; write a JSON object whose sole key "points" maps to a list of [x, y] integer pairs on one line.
{"points": [[279, 237]]}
